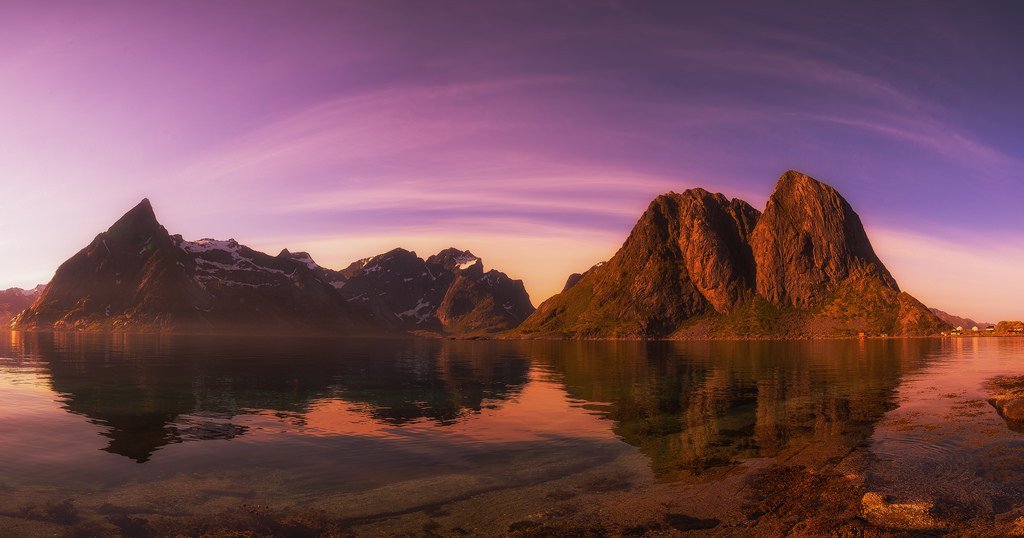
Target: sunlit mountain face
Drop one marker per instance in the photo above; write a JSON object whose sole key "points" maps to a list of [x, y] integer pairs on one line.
{"points": [[530, 133]]}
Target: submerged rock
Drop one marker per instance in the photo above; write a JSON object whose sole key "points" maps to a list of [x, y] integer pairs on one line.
{"points": [[1008, 400], [905, 516]]}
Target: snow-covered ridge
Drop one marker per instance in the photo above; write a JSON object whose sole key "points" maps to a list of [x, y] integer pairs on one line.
{"points": [[34, 291], [305, 258], [206, 245], [210, 270], [466, 260], [421, 311], [301, 257]]}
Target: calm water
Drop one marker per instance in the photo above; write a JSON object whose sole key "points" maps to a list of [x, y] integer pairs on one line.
{"points": [[472, 435]]}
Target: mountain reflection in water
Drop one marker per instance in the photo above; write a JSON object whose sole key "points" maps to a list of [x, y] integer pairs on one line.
{"points": [[150, 391], [688, 407]]}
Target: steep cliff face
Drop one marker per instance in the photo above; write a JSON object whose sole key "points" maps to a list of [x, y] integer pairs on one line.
{"points": [[448, 292], [698, 265], [808, 241], [688, 255], [136, 276]]}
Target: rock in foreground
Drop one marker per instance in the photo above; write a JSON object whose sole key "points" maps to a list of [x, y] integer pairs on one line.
{"points": [[903, 516], [1008, 400]]}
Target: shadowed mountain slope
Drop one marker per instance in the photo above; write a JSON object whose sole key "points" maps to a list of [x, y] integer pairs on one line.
{"points": [[138, 277], [448, 292]]}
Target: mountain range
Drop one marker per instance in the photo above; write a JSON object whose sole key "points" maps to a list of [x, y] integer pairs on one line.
{"points": [[138, 277], [695, 265], [699, 265], [14, 300], [958, 321]]}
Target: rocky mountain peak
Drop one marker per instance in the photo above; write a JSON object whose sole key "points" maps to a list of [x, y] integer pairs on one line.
{"points": [[301, 257], [448, 292], [698, 264], [396, 260], [135, 276], [139, 219], [808, 240], [452, 258]]}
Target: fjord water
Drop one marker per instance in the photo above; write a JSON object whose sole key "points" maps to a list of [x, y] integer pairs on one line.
{"points": [[389, 435]]}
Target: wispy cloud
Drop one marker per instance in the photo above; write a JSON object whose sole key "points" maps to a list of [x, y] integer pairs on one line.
{"points": [[383, 127], [845, 96], [940, 139]]}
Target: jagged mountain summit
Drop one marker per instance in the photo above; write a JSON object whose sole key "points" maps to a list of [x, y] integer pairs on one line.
{"points": [[14, 300], [698, 265], [448, 292], [138, 277]]}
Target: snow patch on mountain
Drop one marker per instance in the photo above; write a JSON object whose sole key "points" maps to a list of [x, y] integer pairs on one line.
{"points": [[306, 259], [210, 271], [38, 290], [465, 261], [421, 311], [206, 245]]}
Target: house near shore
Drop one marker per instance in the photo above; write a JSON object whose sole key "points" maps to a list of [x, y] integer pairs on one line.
{"points": [[1010, 327]]}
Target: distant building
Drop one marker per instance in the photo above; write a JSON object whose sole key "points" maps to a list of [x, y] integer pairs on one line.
{"points": [[1010, 327], [975, 328], [990, 329], [959, 328]]}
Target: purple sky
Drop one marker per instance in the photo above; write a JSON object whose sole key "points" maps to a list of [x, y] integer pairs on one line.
{"points": [[532, 133]]}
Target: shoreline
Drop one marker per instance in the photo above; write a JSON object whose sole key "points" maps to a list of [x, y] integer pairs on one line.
{"points": [[257, 333]]}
